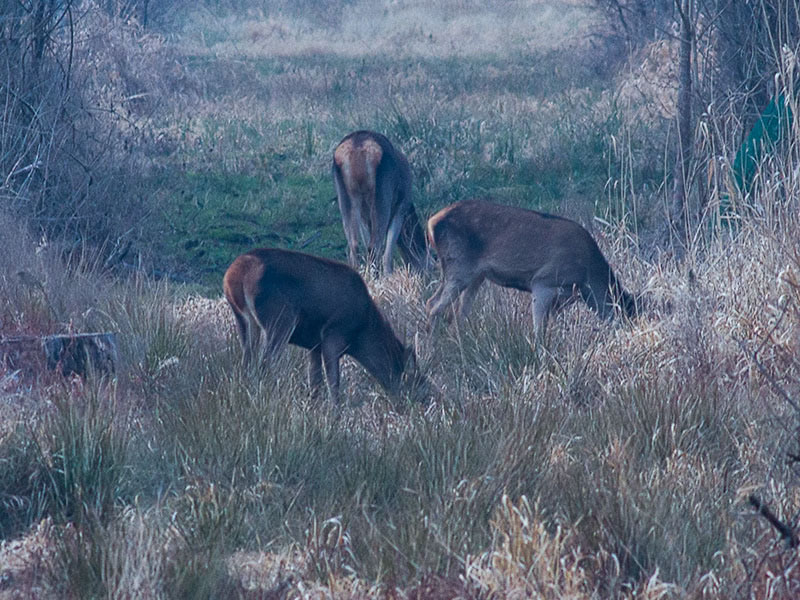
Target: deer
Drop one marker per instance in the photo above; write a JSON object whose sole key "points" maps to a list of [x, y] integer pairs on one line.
{"points": [[318, 304], [373, 188], [553, 258]]}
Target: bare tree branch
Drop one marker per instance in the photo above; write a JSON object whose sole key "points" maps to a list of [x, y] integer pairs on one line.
{"points": [[786, 532]]}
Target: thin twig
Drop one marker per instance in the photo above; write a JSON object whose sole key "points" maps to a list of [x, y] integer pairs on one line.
{"points": [[309, 239], [769, 377], [785, 530]]}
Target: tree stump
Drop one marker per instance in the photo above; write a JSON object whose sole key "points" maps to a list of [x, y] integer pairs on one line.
{"points": [[75, 353]]}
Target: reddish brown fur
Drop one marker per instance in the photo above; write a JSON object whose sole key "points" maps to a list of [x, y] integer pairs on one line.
{"points": [[315, 303], [373, 185], [551, 257], [358, 163]]}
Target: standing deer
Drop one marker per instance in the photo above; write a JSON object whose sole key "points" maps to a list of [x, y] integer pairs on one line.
{"points": [[553, 258], [318, 304], [373, 185]]}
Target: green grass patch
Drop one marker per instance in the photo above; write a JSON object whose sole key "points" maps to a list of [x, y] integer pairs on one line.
{"points": [[213, 217]]}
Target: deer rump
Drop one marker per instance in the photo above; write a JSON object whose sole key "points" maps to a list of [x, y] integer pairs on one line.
{"points": [[318, 304], [551, 257], [373, 187]]}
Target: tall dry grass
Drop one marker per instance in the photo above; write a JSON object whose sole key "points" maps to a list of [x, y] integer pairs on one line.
{"points": [[617, 461]]}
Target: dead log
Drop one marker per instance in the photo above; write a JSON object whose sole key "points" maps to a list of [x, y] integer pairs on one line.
{"points": [[75, 353]]}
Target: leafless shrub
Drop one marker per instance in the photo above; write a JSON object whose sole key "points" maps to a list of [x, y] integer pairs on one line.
{"points": [[80, 92]]}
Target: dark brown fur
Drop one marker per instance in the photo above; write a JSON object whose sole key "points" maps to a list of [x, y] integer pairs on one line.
{"points": [[551, 257], [373, 186], [315, 303]]}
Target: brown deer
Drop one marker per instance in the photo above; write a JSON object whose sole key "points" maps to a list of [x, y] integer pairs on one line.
{"points": [[551, 257], [318, 304], [373, 185]]}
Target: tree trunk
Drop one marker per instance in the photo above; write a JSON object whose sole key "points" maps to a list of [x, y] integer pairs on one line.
{"points": [[679, 210], [39, 36]]}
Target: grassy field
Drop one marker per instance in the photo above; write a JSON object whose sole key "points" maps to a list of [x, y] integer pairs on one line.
{"points": [[480, 108], [615, 461]]}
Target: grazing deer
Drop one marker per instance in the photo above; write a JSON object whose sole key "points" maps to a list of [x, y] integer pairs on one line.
{"points": [[553, 258], [316, 303], [373, 185]]}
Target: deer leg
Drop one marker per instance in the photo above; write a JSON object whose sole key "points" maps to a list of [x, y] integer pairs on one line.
{"points": [[599, 298], [433, 300], [381, 209], [351, 221], [353, 230], [411, 241], [241, 327], [332, 349], [543, 298], [315, 369], [276, 321], [466, 299], [447, 293], [391, 242], [378, 227], [251, 339]]}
